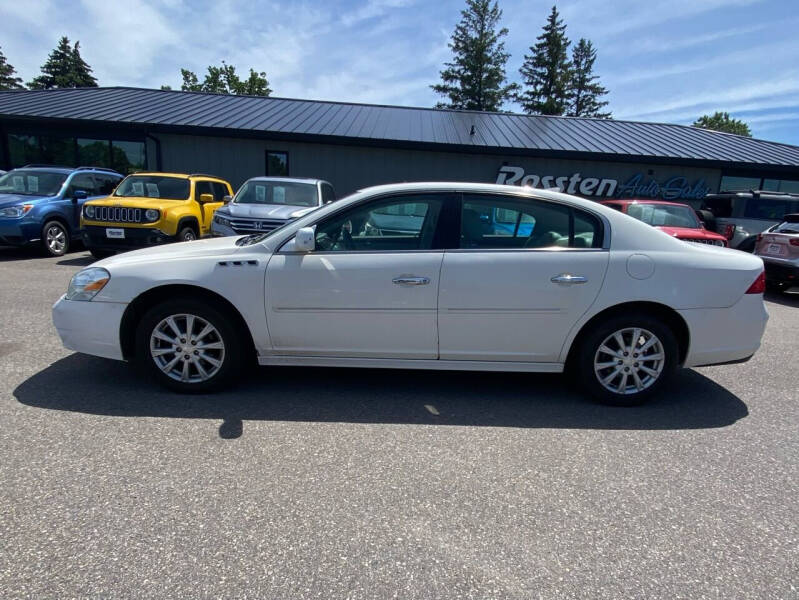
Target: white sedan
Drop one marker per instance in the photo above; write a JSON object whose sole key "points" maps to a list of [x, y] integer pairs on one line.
{"points": [[449, 276]]}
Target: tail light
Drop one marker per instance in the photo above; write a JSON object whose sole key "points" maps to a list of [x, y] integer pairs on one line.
{"points": [[759, 285], [759, 237], [794, 241], [729, 231]]}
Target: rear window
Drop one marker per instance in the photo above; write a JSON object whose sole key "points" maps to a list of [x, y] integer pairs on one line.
{"points": [[791, 226], [153, 186]]}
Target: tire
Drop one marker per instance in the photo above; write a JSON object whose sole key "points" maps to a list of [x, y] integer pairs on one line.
{"points": [[55, 238], [98, 254], [187, 234], [191, 370], [594, 365]]}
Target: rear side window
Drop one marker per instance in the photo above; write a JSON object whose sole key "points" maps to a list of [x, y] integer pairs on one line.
{"points": [[504, 222]]}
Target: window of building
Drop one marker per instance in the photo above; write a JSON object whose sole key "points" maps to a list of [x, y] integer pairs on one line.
{"points": [[94, 153], [57, 151], [277, 163], [127, 157], [781, 185], [23, 149], [739, 184]]}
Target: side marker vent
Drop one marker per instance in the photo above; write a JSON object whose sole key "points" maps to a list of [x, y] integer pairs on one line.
{"points": [[237, 263]]}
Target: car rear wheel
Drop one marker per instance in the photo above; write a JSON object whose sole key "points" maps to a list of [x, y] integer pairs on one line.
{"points": [[626, 360], [55, 238], [189, 346]]}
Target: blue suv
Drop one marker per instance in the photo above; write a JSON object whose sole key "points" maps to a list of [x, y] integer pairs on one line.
{"points": [[41, 204]]}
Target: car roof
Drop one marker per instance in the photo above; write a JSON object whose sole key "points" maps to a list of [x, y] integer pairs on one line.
{"points": [[179, 175], [289, 179]]}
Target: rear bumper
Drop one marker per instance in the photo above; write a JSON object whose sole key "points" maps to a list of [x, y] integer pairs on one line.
{"points": [[725, 335], [94, 236], [781, 271], [90, 327]]}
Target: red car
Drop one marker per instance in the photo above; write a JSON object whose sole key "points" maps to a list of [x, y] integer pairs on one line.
{"points": [[678, 220]]}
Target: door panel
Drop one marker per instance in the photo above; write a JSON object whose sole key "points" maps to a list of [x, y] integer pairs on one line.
{"points": [[503, 305], [347, 304]]}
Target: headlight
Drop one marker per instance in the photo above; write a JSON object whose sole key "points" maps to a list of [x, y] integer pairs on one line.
{"points": [[15, 211], [151, 215], [222, 220], [85, 284], [88, 210]]}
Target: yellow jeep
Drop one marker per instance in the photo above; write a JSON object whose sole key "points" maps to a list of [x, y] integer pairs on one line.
{"points": [[147, 209]]}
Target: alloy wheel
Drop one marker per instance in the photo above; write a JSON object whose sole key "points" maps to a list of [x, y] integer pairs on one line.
{"points": [[187, 348], [629, 361], [56, 239]]}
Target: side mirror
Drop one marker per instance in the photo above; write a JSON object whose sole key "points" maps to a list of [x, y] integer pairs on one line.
{"points": [[226, 199], [206, 198], [305, 240], [79, 195]]}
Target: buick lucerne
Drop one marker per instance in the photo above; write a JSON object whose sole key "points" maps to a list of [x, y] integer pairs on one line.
{"points": [[427, 276]]}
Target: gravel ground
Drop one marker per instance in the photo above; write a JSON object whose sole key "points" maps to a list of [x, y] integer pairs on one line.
{"points": [[325, 483]]}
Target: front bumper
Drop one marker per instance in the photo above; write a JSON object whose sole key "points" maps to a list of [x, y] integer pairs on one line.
{"points": [[94, 236], [781, 271], [18, 232], [725, 335], [220, 230], [90, 327]]}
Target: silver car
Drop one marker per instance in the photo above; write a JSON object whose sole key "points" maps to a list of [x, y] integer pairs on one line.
{"points": [[263, 204]]}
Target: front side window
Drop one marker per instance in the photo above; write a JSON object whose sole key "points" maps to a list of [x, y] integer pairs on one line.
{"points": [[277, 192], [153, 186], [31, 183], [328, 195], [504, 222], [664, 215], [82, 181], [106, 183], [389, 224], [220, 191], [202, 187]]}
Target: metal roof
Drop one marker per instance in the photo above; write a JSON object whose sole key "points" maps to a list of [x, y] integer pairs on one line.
{"points": [[609, 139]]}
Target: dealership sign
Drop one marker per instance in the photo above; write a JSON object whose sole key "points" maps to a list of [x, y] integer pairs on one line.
{"points": [[675, 188]]}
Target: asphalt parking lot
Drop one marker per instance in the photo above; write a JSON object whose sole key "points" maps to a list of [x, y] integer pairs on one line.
{"points": [[325, 483]]}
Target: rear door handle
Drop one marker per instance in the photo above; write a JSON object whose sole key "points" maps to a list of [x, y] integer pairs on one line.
{"points": [[410, 280], [568, 278]]}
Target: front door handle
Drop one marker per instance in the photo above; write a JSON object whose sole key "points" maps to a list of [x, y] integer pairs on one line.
{"points": [[569, 278], [410, 280]]}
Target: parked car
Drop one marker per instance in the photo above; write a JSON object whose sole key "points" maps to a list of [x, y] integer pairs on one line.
{"points": [[678, 220], [149, 209], [778, 246], [741, 216], [266, 203], [40, 205], [622, 309]]}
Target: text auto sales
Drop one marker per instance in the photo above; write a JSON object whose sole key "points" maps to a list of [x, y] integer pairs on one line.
{"points": [[676, 188]]}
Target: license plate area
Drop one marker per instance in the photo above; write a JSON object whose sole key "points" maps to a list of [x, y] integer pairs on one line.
{"points": [[115, 234]]}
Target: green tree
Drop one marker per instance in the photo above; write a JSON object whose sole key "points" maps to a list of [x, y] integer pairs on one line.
{"points": [[585, 92], [547, 71], [475, 79], [65, 68], [225, 80], [721, 121], [8, 78]]}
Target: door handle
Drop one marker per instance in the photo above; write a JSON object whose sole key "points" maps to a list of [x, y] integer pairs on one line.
{"points": [[410, 280], [569, 278]]}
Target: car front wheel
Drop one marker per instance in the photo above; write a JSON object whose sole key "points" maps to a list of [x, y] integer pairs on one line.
{"points": [[55, 238], [625, 360], [189, 346]]}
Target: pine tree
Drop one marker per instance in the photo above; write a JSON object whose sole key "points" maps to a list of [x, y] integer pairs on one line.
{"points": [[547, 71], [65, 68], [475, 79], [585, 91], [8, 78]]}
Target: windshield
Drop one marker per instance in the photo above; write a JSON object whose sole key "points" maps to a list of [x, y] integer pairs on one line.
{"points": [[277, 192], [153, 186], [31, 183], [665, 215]]}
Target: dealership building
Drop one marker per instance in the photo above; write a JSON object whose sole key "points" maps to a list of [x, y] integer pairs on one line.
{"points": [[358, 145]]}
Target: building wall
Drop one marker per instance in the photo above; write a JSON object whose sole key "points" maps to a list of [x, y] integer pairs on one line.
{"points": [[350, 168]]}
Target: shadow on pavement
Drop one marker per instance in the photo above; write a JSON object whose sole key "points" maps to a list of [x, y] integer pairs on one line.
{"points": [[789, 298], [78, 261], [85, 384]]}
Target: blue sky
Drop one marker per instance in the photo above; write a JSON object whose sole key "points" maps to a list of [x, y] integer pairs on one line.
{"points": [[667, 61]]}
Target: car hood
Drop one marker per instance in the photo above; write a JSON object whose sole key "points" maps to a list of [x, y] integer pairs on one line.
{"points": [[14, 199], [177, 251], [265, 211], [135, 202], [691, 233]]}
